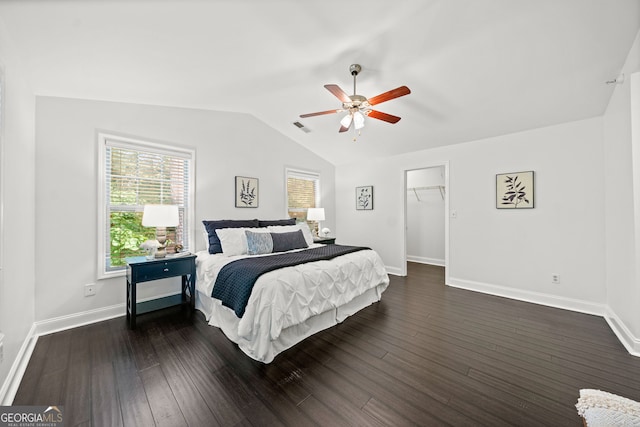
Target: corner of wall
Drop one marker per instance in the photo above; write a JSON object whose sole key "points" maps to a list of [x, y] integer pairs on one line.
{"points": [[626, 337], [18, 368]]}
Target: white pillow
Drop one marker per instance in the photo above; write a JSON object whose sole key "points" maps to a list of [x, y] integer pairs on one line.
{"points": [[282, 228], [233, 241], [308, 237], [306, 232], [206, 238]]}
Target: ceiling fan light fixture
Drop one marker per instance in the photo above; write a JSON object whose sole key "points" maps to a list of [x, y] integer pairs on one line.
{"points": [[346, 120], [358, 120]]}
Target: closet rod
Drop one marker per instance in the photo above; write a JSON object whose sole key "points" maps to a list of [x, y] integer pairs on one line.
{"points": [[429, 187]]}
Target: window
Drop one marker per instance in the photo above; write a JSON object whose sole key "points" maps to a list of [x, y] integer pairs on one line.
{"points": [[303, 192], [135, 173]]}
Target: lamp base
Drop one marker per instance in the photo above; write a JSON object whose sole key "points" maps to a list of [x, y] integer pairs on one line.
{"points": [[161, 237], [161, 252]]}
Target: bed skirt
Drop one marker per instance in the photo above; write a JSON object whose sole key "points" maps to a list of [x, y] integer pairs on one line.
{"points": [[266, 349]]}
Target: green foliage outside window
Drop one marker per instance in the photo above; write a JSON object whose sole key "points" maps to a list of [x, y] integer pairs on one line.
{"points": [[127, 234]]}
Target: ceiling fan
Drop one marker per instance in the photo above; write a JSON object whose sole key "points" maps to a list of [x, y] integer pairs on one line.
{"points": [[358, 106]]}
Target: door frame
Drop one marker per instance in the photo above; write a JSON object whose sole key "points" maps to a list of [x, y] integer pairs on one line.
{"points": [[445, 164]]}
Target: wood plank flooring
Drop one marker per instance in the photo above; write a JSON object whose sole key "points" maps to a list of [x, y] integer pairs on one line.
{"points": [[426, 354]]}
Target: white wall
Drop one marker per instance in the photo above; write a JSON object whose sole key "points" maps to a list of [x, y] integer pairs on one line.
{"points": [[508, 252], [622, 264], [18, 235], [226, 144], [425, 216]]}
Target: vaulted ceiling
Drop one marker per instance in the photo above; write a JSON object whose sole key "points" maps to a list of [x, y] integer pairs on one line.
{"points": [[476, 68]]}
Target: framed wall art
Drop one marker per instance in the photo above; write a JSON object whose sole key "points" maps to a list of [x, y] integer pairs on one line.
{"points": [[364, 198], [515, 190], [246, 192]]}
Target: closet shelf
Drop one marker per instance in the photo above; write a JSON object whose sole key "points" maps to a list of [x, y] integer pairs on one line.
{"points": [[429, 187]]}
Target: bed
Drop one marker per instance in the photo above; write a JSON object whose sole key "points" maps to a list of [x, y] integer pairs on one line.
{"points": [[285, 305]]}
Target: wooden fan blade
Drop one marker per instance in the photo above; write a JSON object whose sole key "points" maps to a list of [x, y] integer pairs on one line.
{"points": [[338, 93], [383, 116], [343, 129], [392, 94], [319, 113]]}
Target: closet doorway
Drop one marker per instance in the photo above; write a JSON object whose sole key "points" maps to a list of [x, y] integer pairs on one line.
{"points": [[427, 215]]}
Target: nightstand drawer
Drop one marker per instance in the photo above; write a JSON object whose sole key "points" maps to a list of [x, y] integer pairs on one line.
{"points": [[160, 270]]}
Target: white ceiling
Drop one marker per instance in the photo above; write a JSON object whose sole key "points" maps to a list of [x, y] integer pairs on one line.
{"points": [[476, 68]]}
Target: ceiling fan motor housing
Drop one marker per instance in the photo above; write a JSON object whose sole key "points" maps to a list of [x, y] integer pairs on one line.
{"points": [[357, 101]]}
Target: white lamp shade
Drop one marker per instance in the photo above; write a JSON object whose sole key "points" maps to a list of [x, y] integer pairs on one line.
{"points": [[358, 120], [160, 216], [346, 120], [315, 214]]}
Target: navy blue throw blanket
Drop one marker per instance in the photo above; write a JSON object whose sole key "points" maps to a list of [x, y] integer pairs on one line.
{"points": [[235, 280]]}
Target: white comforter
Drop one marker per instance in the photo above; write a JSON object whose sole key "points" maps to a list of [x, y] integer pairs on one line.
{"points": [[291, 295]]}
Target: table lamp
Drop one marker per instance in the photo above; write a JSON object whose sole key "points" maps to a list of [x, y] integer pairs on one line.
{"points": [[161, 217], [315, 214]]}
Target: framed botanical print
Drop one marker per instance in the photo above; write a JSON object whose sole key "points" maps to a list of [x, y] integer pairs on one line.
{"points": [[364, 198], [246, 192], [515, 190]]}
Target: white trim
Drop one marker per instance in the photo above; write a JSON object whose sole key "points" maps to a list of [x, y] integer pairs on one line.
{"points": [[426, 260], [302, 173], [626, 337], [395, 271], [12, 382], [549, 300], [62, 323]]}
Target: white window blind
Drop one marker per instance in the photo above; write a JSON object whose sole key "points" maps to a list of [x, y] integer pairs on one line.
{"points": [[303, 192], [136, 173]]}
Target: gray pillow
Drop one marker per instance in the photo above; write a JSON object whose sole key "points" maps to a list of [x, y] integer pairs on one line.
{"points": [[283, 242]]}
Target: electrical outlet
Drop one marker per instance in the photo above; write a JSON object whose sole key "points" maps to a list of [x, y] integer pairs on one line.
{"points": [[555, 278], [89, 289]]}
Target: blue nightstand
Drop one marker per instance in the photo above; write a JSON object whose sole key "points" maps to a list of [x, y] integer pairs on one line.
{"points": [[140, 269]]}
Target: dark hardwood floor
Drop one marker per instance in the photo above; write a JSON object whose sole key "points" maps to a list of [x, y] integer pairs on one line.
{"points": [[426, 354]]}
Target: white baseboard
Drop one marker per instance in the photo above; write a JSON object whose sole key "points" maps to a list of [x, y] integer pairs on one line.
{"points": [[529, 296], [626, 337], [62, 323], [425, 260], [18, 368], [394, 270]]}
